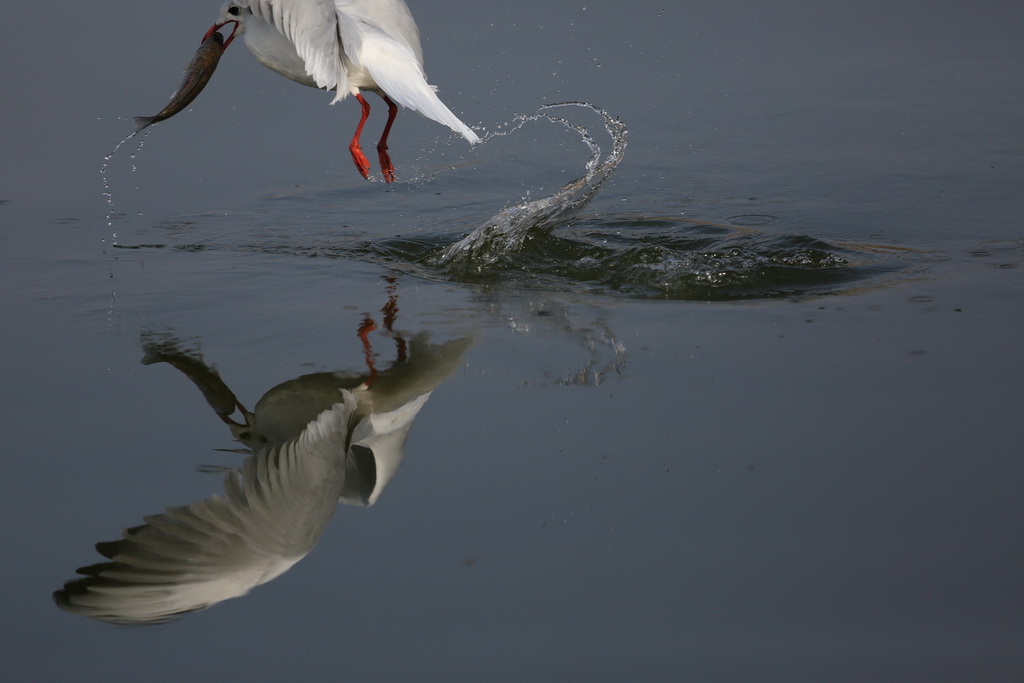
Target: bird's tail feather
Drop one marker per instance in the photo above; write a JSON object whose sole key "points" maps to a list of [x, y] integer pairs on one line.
{"points": [[398, 73]]}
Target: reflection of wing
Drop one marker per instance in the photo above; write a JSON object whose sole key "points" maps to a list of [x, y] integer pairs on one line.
{"points": [[188, 558], [427, 367], [379, 439], [386, 409]]}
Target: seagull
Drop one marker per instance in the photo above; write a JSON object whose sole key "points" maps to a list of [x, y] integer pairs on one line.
{"points": [[347, 46]]}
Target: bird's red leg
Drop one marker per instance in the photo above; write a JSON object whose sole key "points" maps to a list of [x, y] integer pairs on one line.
{"points": [[386, 167], [362, 163], [365, 328], [390, 312]]}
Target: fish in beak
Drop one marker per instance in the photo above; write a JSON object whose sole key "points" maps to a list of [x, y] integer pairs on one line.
{"points": [[197, 75]]}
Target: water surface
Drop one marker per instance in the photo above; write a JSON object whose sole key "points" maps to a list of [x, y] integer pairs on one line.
{"points": [[737, 384]]}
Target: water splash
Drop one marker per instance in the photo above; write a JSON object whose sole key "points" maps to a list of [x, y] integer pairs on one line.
{"points": [[108, 196], [112, 303], [511, 228]]}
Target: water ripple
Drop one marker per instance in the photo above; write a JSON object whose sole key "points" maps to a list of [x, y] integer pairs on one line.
{"points": [[658, 258], [546, 243]]}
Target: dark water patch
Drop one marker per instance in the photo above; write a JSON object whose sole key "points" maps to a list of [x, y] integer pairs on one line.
{"points": [[753, 220], [140, 246], [745, 266]]}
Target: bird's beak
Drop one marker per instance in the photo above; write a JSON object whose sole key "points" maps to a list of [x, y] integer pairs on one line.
{"points": [[217, 27]]}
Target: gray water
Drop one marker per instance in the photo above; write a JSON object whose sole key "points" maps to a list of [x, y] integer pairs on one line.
{"points": [[724, 375]]}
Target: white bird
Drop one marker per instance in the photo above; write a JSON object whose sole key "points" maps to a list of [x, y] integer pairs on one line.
{"points": [[346, 46]]}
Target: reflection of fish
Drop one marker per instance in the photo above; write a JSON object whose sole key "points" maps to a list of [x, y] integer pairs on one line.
{"points": [[197, 75]]}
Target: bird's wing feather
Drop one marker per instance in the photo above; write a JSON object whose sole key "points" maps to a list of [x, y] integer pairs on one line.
{"points": [[396, 70], [312, 28], [390, 16]]}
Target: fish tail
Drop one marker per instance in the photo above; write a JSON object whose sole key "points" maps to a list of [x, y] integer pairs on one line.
{"points": [[143, 121]]}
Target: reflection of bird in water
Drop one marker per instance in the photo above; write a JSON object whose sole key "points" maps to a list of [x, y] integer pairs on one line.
{"points": [[313, 441], [347, 47]]}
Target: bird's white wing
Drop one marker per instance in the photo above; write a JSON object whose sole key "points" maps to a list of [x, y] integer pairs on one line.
{"points": [[311, 26], [190, 557], [390, 16], [396, 69]]}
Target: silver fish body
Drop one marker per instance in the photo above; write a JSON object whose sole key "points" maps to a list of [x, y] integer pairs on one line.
{"points": [[197, 75]]}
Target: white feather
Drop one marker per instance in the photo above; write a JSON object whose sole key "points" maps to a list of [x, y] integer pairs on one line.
{"points": [[346, 46]]}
